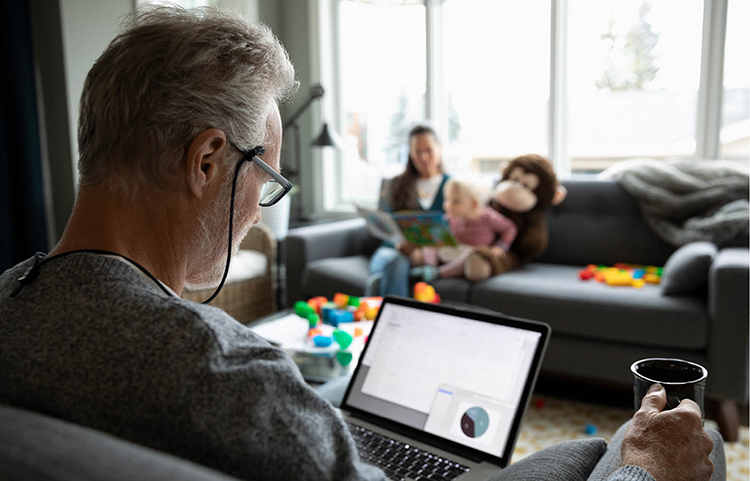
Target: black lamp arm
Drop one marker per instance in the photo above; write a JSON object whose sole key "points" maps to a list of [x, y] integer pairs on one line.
{"points": [[316, 91]]}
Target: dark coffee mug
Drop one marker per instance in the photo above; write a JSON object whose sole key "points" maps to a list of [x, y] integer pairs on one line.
{"points": [[681, 380]]}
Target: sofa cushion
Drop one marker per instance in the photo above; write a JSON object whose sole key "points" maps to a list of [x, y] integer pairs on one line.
{"points": [[599, 222], [326, 277], [37, 447], [687, 269], [454, 289], [554, 294], [566, 461]]}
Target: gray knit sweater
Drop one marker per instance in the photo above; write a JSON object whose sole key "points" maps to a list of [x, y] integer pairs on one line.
{"points": [[93, 342]]}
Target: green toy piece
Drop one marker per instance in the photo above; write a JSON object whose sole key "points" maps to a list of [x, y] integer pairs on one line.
{"points": [[354, 301], [302, 309], [344, 358], [314, 319], [343, 338]]}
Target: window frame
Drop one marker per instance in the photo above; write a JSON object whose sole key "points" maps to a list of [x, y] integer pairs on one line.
{"points": [[710, 89]]}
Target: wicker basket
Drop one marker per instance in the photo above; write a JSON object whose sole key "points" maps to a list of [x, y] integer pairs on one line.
{"points": [[247, 299]]}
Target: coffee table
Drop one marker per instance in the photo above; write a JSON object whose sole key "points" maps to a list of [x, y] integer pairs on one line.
{"points": [[318, 365]]}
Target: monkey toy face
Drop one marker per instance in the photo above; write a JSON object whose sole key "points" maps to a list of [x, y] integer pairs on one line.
{"points": [[529, 183]]}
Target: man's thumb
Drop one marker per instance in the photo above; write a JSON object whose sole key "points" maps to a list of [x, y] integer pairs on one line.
{"points": [[655, 399]]}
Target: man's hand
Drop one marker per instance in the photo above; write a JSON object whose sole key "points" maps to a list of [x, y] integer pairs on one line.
{"points": [[671, 445]]}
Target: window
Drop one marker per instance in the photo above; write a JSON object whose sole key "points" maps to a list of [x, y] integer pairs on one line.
{"points": [[496, 82], [624, 77], [633, 74], [383, 84], [735, 119]]}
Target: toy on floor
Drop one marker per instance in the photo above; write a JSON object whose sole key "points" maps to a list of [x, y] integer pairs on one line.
{"points": [[590, 429], [622, 274], [424, 292]]}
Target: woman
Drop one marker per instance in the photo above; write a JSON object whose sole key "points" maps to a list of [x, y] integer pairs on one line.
{"points": [[420, 187]]}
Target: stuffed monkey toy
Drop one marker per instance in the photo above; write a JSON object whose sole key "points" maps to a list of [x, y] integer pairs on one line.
{"points": [[528, 187]]}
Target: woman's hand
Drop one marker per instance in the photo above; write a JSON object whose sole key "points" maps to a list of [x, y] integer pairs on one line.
{"points": [[406, 248]]}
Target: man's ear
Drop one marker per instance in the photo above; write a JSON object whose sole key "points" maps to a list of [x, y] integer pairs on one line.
{"points": [[204, 159], [560, 194]]}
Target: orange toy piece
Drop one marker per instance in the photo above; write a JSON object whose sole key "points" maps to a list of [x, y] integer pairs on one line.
{"points": [[314, 332], [317, 303], [341, 300], [357, 331], [368, 308], [424, 292]]}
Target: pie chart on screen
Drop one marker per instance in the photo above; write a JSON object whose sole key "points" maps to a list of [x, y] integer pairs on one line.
{"points": [[475, 422]]}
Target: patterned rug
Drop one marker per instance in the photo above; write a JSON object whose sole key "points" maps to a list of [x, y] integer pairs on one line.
{"points": [[550, 420]]}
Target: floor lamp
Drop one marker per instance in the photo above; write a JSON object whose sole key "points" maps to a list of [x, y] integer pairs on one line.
{"points": [[326, 138]]}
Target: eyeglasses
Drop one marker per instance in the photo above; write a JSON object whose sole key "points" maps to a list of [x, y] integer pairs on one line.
{"points": [[276, 188]]}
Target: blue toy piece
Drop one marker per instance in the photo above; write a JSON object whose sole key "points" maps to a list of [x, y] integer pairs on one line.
{"points": [[322, 341], [326, 312], [638, 273], [334, 317], [590, 429]]}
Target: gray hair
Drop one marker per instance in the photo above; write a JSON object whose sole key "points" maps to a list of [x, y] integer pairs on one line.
{"points": [[170, 74]]}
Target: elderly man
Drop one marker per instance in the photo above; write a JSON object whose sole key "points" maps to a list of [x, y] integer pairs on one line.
{"points": [[179, 133]]}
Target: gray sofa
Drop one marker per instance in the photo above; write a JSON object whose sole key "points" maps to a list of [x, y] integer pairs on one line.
{"points": [[597, 330], [35, 447]]}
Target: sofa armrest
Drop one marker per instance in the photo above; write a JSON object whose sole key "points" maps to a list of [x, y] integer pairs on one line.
{"points": [[728, 310], [334, 239]]}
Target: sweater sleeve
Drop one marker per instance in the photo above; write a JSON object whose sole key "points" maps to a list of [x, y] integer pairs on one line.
{"points": [[630, 473], [250, 404], [504, 227]]}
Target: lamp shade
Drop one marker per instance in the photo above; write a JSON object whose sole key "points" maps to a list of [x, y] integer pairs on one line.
{"points": [[328, 138]]}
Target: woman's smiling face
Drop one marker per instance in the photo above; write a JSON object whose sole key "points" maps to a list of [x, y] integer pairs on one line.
{"points": [[426, 154]]}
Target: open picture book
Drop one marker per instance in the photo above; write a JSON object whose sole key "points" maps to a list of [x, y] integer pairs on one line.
{"points": [[422, 228]]}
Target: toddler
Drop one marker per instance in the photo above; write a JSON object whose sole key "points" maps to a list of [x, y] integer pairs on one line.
{"points": [[474, 224]]}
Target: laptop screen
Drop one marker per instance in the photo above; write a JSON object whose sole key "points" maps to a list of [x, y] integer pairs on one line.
{"points": [[447, 374]]}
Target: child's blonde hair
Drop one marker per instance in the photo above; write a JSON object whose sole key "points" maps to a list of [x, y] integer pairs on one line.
{"points": [[473, 190]]}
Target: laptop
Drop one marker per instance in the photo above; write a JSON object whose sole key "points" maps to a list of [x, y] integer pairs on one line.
{"points": [[440, 392]]}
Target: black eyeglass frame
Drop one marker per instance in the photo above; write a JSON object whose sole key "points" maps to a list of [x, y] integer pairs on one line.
{"points": [[252, 156]]}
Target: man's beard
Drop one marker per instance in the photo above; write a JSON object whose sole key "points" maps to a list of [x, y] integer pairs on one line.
{"points": [[212, 244]]}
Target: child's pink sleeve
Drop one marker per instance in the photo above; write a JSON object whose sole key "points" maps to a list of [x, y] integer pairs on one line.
{"points": [[503, 226]]}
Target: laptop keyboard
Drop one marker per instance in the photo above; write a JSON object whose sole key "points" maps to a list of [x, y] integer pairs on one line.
{"points": [[400, 460]]}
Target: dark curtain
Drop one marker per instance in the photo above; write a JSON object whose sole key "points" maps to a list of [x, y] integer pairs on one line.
{"points": [[22, 215]]}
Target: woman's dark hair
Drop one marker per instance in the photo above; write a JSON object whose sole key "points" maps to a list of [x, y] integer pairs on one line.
{"points": [[403, 190]]}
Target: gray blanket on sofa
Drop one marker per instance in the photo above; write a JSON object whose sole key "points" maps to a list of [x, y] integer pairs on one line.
{"points": [[686, 201]]}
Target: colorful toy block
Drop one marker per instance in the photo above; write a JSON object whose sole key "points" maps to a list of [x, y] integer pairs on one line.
{"points": [[317, 303], [322, 341], [622, 274], [424, 292], [341, 300], [344, 339], [302, 309]]}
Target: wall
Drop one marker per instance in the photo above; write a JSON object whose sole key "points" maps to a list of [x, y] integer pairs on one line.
{"points": [[71, 34], [88, 27]]}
